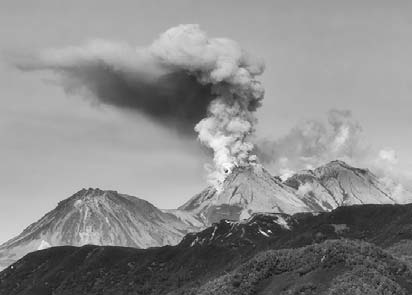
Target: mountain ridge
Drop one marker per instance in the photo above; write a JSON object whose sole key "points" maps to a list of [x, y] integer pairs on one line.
{"points": [[252, 189], [94, 216], [245, 191], [338, 184], [188, 269]]}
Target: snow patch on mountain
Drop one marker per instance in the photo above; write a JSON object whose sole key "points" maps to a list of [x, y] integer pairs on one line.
{"points": [[258, 226], [43, 245]]}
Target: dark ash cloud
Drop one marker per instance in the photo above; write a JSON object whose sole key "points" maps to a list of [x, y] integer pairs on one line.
{"points": [[183, 80], [174, 98]]}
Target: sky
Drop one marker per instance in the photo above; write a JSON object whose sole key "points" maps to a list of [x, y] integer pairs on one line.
{"points": [[319, 55]]}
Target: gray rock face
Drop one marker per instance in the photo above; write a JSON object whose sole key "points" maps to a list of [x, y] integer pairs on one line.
{"points": [[249, 190], [338, 184], [94, 216], [245, 191]]}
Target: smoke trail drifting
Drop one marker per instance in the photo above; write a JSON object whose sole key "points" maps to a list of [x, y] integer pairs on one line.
{"points": [[315, 142], [183, 79]]}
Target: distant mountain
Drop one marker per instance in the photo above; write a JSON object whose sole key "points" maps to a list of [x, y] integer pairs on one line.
{"points": [[222, 259], [100, 217], [245, 191], [338, 184], [252, 189], [94, 216]]}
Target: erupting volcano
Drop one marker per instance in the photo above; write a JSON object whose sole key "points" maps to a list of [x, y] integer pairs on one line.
{"points": [[204, 88], [183, 80]]}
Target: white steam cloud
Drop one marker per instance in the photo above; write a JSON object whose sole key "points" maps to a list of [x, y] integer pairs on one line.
{"points": [[183, 80], [206, 87], [315, 142]]}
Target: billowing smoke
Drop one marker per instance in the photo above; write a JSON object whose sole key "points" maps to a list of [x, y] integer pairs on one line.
{"points": [[313, 143], [183, 80], [396, 180]]}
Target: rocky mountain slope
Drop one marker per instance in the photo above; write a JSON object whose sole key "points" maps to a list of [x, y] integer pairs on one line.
{"points": [[338, 184], [108, 218], [94, 216], [259, 227], [245, 191], [222, 257], [252, 189], [384, 225]]}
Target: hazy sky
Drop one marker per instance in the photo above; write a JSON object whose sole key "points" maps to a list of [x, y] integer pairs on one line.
{"points": [[319, 55]]}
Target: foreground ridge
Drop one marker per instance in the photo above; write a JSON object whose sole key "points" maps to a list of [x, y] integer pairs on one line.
{"points": [[178, 269]]}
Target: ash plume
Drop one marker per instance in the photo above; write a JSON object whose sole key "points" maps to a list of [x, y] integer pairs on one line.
{"points": [[183, 80]]}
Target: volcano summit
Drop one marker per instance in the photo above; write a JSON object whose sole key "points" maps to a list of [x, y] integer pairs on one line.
{"points": [[244, 191], [251, 189], [94, 216]]}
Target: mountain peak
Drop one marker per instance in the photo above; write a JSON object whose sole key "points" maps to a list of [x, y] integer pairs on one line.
{"points": [[339, 164], [94, 192], [85, 196], [246, 190], [338, 184], [99, 217], [250, 189], [247, 173]]}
